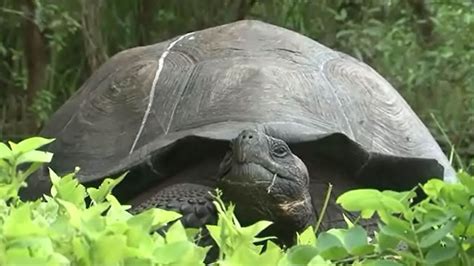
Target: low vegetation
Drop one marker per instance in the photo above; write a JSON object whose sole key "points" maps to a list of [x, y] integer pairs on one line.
{"points": [[89, 226], [425, 49]]}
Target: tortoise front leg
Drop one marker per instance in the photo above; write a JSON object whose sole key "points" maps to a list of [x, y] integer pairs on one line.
{"points": [[193, 201]]}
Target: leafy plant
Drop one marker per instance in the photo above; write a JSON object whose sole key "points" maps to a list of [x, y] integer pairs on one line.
{"points": [[63, 230], [11, 158], [88, 226], [439, 229]]}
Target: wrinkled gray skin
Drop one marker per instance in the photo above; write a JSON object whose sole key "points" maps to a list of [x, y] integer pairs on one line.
{"points": [[260, 175], [267, 181]]}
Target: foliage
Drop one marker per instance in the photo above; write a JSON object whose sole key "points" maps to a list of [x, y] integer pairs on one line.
{"points": [[62, 229], [427, 55], [13, 157], [439, 229]]}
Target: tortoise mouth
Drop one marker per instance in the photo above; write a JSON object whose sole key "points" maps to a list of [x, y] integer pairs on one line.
{"points": [[252, 180], [249, 173]]}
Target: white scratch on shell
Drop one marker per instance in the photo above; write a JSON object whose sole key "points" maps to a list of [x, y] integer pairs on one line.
{"points": [[153, 87]]}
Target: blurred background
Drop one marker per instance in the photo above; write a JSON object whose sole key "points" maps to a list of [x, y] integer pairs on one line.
{"points": [[424, 48]]}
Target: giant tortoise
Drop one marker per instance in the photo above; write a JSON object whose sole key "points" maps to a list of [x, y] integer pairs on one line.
{"points": [[264, 113]]}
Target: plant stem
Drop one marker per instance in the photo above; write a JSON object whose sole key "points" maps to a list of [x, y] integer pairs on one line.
{"points": [[323, 210], [445, 135], [346, 261], [417, 241]]}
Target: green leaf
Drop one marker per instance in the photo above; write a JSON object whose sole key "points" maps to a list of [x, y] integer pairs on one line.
{"points": [[433, 187], [73, 212], [34, 157], [386, 242], [176, 253], [308, 237], [355, 241], [242, 255], [99, 195], [81, 250], [143, 220], [412, 257], [301, 254], [437, 234], [176, 233], [68, 188], [31, 144], [369, 200], [109, 250], [215, 232], [464, 178], [351, 200], [93, 223], [5, 152], [348, 221], [138, 261], [251, 231], [20, 224], [367, 213], [330, 246], [163, 217], [438, 254], [399, 229], [404, 197], [58, 259], [193, 233], [271, 256], [434, 217], [154, 218], [319, 261], [31, 169], [21, 256], [13, 146], [382, 262]]}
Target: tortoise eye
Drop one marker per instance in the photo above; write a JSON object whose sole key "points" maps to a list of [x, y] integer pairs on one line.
{"points": [[280, 151]]}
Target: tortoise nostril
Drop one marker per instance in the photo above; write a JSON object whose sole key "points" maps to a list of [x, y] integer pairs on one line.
{"points": [[247, 135]]}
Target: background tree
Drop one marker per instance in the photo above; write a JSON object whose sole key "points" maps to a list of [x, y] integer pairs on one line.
{"points": [[35, 49], [92, 34]]}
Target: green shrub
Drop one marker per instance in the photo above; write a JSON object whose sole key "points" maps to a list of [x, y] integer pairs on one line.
{"points": [[63, 229]]}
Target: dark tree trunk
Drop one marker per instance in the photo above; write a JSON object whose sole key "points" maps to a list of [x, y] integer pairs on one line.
{"points": [[244, 8], [35, 51], [424, 23], [93, 40], [146, 10]]}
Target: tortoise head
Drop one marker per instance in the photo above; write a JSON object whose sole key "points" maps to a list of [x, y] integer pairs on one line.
{"points": [[267, 181]]}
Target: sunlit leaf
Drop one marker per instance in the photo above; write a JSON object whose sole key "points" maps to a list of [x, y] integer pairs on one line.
{"points": [[68, 188], [330, 246], [437, 234], [99, 195], [34, 156], [5, 152], [308, 237], [31, 144], [301, 254]]}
